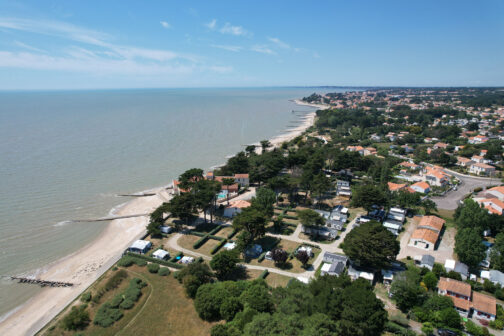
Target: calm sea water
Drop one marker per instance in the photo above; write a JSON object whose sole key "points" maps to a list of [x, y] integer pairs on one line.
{"points": [[65, 155]]}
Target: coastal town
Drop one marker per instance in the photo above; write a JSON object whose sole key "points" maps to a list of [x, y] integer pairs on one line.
{"points": [[394, 194]]}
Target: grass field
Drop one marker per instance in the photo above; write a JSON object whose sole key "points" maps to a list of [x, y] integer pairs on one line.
{"points": [[163, 309], [187, 242], [224, 232]]}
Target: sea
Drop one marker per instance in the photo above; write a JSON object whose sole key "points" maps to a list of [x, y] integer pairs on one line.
{"points": [[66, 155]]}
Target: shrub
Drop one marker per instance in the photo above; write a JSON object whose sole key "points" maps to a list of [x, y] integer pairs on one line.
{"points": [[478, 189], [116, 301], [127, 304], [497, 324], [218, 246], [264, 274], [86, 297], [115, 280], [78, 318], [153, 268], [164, 271], [106, 316], [126, 261]]}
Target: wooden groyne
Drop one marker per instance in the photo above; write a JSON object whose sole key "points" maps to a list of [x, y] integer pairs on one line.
{"points": [[102, 219], [137, 195], [42, 283]]}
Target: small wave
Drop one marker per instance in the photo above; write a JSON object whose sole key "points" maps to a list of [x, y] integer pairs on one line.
{"points": [[62, 223], [115, 209]]}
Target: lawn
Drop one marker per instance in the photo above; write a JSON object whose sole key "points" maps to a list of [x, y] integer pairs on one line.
{"points": [[318, 241], [163, 309], [272, 279], [187, 241], [224, 232]]}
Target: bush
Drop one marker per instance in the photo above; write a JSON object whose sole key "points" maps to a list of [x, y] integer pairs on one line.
{"points": [[106, 316], [153, 268], [164, 271], [115, 280], [126, 261], [231, 235], [78, 318], [497, 324], [264, 274], [116, 301], [86, 297], [141, 259], [218, 246], [127, 304], [478, 189]]}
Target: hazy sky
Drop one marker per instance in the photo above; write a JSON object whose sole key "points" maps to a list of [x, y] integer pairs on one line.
{"points": [[135, 44]]}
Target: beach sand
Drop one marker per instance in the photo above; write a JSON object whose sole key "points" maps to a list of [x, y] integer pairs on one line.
{"points": [[82, 268], [89, 263]]}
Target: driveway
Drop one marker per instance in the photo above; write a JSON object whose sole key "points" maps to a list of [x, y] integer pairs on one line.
{"points": [[443, 252]]}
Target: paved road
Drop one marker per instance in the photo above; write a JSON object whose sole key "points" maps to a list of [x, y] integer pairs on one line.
{"points": [[450, 201], [468, 183]]}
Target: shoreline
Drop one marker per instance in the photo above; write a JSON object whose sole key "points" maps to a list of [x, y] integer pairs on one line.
{"points": [[87, 264]]}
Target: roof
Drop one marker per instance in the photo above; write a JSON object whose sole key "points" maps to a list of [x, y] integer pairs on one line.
{"points": [[241, 175], [483, 165], [460, 303], [463, 159], [161, 254], [422, 185], [432, 222], [455, 286], [427, 259], [140, 244], [499, 189], [425, 234], [484, 303], [395, 186], [240, 204]]}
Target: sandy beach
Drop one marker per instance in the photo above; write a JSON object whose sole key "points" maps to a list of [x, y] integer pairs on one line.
{"points": [[82, 267], [89, 263]]}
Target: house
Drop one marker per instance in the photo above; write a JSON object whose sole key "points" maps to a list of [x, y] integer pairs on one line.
{"points": [[355, 273], [375, 137], [322, 232], [358, 149], [426, 234], [235, 207], [306, 249], [243, 180], [441, 145], [493, 205], [494, 276], [369, 151], [161, 254], [478, 139], [482, 169], [407, 149], [332, 269], [497, 192], [484, 306], [140, 246], [333, 258], [457, 266], [478, 159], [393, 226], [421, 187], [166, 229], [460, 293], [410, 165], [435, 176], [464, 162], [396, 186], [425, 260]]}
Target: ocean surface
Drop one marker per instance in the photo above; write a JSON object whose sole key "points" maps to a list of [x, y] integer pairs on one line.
{"points": [[66, 155]]}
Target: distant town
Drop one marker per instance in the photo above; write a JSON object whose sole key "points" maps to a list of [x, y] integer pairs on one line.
{"points": [[383, 217]]}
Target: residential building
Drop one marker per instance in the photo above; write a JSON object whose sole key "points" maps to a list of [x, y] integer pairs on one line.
{"points": [[464, 162], [235, 207], [457, 266], [161, 254], [421, 187], [140, 246], [494, 276], [482, 169], [493, 205], [335, 269], [497, 192], [425, 260], [426, 235], [396, 186]]}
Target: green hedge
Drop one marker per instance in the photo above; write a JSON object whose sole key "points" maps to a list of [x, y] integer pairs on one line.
{"points": [[219, 246], [262, 256], [264, 274], [290, 217], [214, 231], [174, 258], [199, 234], [216, 237], [200, 242], [232, 233], [198, 260], [160, 262]]}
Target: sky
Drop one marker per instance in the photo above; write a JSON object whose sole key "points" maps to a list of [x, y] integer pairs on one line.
{"points": [[74, 44]]}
